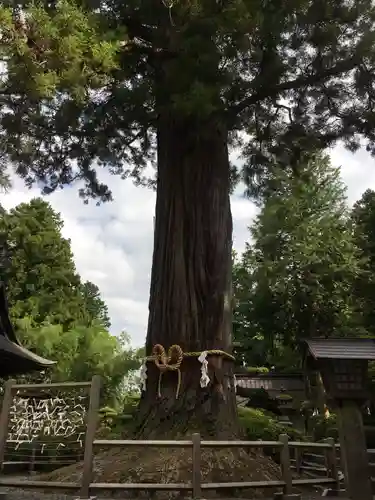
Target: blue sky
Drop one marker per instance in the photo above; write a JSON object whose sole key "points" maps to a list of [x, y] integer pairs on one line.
{"points": [[112, 243]]}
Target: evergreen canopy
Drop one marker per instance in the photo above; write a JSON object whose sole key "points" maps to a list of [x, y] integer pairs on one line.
{"points": [[85, 82]]}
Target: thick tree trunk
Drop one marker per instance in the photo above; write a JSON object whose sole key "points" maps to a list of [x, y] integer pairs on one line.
{"points": [[190, 297]]}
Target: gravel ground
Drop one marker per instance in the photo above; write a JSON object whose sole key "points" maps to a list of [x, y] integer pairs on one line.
{"points": [[14, 494], [27, 494]]}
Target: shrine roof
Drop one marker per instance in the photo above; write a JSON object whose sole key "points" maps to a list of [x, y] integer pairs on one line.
{"points": [[349, 348], [15, 359]]}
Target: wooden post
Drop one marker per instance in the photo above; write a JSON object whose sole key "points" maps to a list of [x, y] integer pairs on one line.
{"points": [[286, 469], [332, 467], [4, 418], [354, 456], [92, 423], [196, 480], [285, 464], [326, 457]]}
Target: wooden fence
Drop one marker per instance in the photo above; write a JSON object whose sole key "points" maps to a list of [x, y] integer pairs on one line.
{"points": [[25, 453], [39, 456], [313, 463], [287, 449]]}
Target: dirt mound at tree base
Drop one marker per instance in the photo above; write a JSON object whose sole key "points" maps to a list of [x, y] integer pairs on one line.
{"points": [[150, 465]]}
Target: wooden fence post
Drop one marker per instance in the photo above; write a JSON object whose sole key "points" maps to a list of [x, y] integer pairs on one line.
{"points": [[196, 480], [4, 418], [286, 469], [332, 468], [92, 423]]}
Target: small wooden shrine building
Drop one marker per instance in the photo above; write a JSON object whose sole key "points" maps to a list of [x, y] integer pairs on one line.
{"points": [[342, 364], [15, 359]]}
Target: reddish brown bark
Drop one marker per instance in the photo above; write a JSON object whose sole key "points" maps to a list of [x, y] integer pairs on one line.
{"points": [[190, 297]]}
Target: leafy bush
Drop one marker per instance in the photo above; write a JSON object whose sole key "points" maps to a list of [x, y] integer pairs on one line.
{"points": [[257, 369], [113, 424], [323, 428], [260, 398], [131, 402], [259, 425], [284, 397], [107, 416]]}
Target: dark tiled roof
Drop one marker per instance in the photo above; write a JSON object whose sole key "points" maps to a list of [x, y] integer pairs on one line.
{"points": [[342, 348], [15, 359]]}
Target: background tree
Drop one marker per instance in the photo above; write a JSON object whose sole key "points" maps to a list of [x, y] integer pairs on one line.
{"points": [[54, 314], [81, 352], [296, 278], [95, 306], [4, 254], [363, 224], [41, 278], [5, 183], [39, 270], [255, 346], [108, 84]]}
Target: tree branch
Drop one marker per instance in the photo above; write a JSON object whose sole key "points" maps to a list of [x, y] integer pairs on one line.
{"points": [[302, 81]]}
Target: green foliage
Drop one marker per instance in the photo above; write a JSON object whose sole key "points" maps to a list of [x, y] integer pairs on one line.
{"points": [[82, 352], [259, 425], [86, 79], [130, 403], [5, 182], [324, 427], [69, 52], [284, 397], [115, 423], [260, 399], [42, 282], [295, 280], [38, 269], [96, 308], [363, 226], [91, 84], [257, 369], [54, 313], [108, 416]]}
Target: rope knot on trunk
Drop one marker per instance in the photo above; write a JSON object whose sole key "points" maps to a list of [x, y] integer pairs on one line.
{"points": [[170, 361]]}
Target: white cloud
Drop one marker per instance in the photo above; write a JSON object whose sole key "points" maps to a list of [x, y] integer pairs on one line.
{"points": [[357, 171], [112, 243]]}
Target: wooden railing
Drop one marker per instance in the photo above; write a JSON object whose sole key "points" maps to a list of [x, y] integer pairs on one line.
{"points": [[287, 449], [314, 463], [38, 455]]}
